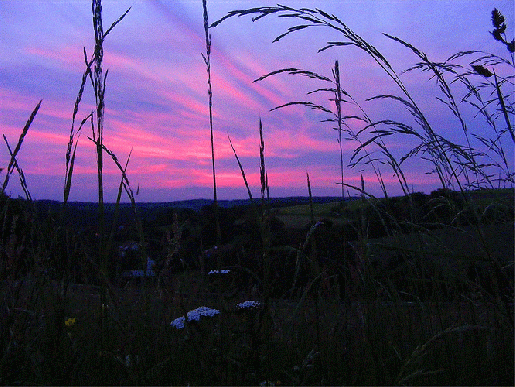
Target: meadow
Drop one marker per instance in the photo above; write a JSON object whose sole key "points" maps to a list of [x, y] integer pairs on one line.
{"points": [[363, 290]]}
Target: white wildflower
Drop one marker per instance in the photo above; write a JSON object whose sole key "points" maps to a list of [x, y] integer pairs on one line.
{"points": [[248, 304], [217, 272], [194, 315], [178, 323], [202, 311]]}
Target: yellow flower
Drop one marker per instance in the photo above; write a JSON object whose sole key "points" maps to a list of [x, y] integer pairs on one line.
{"points": [[70, 322]]}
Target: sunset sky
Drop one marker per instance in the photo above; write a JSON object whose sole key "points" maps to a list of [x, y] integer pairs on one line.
{"points": [[157, 102]]}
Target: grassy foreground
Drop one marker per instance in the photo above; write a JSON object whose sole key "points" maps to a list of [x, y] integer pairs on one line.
{"points": [[430, 312]]}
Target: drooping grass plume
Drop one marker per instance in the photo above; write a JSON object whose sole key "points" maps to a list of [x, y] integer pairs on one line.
{"points": [[451, 161], [316, 18], [499, 32], [339, 96], [485, 101]]}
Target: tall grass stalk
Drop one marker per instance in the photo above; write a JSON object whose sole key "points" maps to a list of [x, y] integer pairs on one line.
{"points": [[207, 61], [265, 316], [99, 90], [99, 80], [264, 321], [338, 103], [94, 71]]}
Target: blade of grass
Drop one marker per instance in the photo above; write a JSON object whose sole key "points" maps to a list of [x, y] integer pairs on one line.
{"points": [[241, 170], [23, 181], [23, 133]]}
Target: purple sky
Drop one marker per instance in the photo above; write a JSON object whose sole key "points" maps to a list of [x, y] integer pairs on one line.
{"points": [[156, 98]]}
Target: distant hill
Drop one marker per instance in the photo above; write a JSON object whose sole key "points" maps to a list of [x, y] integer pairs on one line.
{"points": [[196, 204]]}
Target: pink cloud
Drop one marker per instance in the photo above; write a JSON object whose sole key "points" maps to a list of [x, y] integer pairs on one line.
{"points": [[69, 57], [156, 99]]}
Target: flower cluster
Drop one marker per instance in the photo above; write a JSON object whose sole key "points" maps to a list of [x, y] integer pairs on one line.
{"points": [[194, 315], [219, 272], [248, 304], [70, 322]]}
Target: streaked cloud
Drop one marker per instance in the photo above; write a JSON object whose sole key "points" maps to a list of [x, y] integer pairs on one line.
{"points": [[156, 99]]}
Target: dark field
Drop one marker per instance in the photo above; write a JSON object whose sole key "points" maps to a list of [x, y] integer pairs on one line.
{"points": [[425, 307]]}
